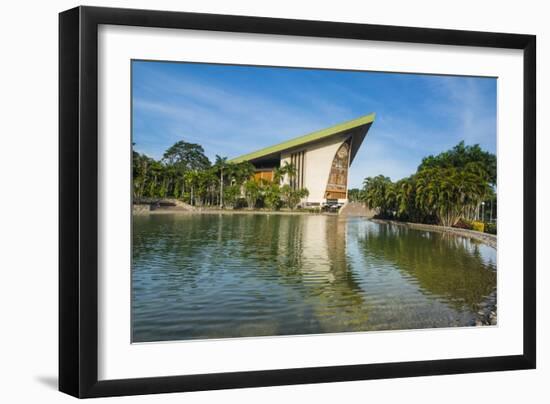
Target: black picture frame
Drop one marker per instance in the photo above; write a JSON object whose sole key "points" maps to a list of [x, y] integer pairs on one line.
{"points": [[78, 201]]}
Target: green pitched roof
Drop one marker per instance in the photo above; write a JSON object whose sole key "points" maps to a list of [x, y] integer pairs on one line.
{"points": [[310, 137]]}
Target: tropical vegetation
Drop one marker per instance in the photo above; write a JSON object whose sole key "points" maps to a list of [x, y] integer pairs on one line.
{"points": [[185, 173], [450, 188]]}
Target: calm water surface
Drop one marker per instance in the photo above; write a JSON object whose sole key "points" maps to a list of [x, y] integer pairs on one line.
{"points": [[241, 275]]}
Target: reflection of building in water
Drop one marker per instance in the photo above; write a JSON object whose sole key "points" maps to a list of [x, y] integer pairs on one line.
{"points": [[320, 242], [302, 244], [321, 160], [316, 249], [334, 292], [317, 244]]}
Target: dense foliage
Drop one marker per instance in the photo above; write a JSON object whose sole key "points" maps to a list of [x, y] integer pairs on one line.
{"points": [[186, 173], [445, 189], [355, 195]]}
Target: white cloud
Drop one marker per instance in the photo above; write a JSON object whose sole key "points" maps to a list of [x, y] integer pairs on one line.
{"points": [[232, 122], [468, 107]]}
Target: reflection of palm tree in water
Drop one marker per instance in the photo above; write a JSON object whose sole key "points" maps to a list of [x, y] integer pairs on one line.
{"points": [[448, 267]]}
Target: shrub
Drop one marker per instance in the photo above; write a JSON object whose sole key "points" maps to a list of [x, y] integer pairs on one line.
{"points": [[240, 203], [292, 197], [491, 228], [464, 224], [478, 226], [231, 194], [272, 197]]}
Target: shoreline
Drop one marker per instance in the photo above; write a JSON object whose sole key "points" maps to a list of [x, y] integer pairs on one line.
{"points": [[485, 238], [199, 211]]}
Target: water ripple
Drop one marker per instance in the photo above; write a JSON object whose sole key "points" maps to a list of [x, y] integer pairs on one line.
{"points": [[218, 276]]}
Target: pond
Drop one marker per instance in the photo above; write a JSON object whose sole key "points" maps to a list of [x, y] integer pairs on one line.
{"points": [[200, 276]]}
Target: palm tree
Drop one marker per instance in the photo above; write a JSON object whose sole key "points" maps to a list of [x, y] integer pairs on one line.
{"points": [[280, 172], [405, 192], [252, 192], [380, 193], [221, 164], [156, 172], [192, 179], [278, 175]]}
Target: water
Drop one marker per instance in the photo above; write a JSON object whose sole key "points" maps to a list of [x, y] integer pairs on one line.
{"points": [[242, 275]]}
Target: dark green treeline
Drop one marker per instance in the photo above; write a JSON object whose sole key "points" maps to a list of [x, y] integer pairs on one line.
{"points": [[453, 186]]}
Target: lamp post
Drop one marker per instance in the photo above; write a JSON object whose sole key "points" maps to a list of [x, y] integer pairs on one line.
{"points": [[483, 211]]}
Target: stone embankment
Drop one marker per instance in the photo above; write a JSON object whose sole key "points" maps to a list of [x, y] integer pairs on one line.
{"points": [[356, 209], [489, 239], [146, 206], [487, 313], [141, 209]]}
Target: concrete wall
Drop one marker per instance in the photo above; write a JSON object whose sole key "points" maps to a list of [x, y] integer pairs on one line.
{"points": [[141, 209], [318, 161]]}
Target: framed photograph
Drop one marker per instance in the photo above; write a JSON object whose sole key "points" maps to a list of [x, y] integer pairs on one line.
{"points": [[250, 201]]}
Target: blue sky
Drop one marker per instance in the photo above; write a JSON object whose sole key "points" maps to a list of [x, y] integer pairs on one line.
{"points": [[232, 110]]}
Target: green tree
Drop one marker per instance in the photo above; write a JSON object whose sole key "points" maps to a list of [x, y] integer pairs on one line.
{"points": [[139, 174], [180, 161], [186, 156], [156, 173], [299, 195], [380, 193], [272, 196], [292, 197], [286, 192], [192, 181], [280, 173], [252, 191], [460, 156], [446, 188], [231, 193], [239, 173], [405, 198], [451, 193], [355, 195]]}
